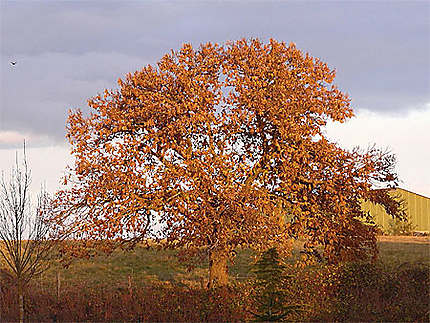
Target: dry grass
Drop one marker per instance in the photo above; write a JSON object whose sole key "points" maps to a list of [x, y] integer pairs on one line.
{"points": [[405, 239]]}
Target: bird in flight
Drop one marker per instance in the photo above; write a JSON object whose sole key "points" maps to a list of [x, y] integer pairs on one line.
{"points": [[13, 63]]}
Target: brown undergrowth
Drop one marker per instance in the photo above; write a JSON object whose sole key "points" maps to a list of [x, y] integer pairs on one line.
{"points": [[347, 292]]}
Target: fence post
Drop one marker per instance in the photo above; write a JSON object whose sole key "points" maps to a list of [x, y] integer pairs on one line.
{"points": [[58, 285], [130, 289]]}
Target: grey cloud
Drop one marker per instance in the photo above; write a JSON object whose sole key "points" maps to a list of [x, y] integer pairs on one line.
{"points": [[80, 27], [39, 90], [69, 51]]}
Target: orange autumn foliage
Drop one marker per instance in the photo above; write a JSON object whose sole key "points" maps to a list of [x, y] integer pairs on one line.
{"points": [[226, 144]]}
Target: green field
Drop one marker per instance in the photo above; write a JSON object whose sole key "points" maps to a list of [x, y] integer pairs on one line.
{"points": [[144, 265]]}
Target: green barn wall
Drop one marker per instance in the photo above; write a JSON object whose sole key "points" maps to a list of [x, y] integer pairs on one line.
{"points": [[417, 208]]}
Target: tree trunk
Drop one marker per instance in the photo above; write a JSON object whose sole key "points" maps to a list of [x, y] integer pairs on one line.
{"points": [[218, 274], [21, 301]]}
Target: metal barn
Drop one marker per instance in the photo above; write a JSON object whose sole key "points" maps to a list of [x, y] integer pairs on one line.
{"points": [[417, 208]]}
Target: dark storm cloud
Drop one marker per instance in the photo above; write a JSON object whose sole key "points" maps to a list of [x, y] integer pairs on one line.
{"points": [[69, 51]]}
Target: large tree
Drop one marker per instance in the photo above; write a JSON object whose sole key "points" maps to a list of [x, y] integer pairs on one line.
{"points": [[226, 144]]}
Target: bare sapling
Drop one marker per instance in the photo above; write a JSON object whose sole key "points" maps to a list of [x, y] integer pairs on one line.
{"points": [[27, 237]]}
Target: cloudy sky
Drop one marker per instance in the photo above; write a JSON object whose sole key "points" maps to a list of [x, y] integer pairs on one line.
{"points": [[68, 51]]}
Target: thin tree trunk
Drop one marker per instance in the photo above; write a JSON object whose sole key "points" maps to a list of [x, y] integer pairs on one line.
{"points": [[1, 302], [21, 301], [218, 271]]}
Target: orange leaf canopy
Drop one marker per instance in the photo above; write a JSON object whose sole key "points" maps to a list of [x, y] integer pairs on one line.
{"points": [[225, 144]]}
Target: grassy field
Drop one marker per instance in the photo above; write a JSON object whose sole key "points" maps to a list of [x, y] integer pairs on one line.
{"points": [[150, 284], [144, 265], [396, 253]]}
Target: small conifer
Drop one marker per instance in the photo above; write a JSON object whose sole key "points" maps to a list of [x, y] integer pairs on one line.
{"points": [[270, 296]]}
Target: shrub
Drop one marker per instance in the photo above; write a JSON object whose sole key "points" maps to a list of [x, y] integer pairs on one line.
{"points": [[152, 303], [373, 292], [398, 227]]}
